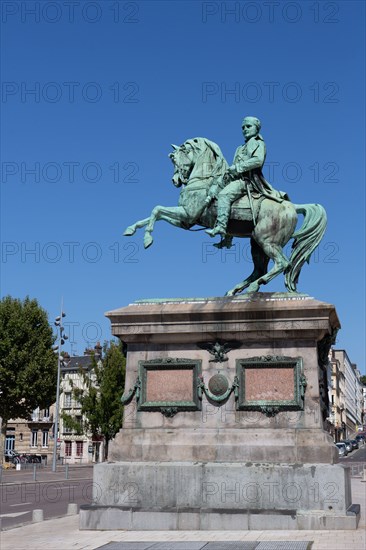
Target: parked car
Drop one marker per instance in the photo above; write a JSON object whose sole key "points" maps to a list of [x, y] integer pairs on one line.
{"points": [[342, 449], [10, 454], [360, 438], [354, 444], [348, 445]]}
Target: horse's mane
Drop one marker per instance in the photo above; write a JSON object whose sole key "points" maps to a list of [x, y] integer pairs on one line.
{"points": [[200, 144], [208, 154]]}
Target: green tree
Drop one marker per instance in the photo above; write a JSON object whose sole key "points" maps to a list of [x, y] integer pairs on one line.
{"points": [[100, 398], [28, 365], [363, 379]]}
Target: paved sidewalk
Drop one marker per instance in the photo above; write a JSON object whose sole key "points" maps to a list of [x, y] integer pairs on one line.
{"points": [[63, 534]]}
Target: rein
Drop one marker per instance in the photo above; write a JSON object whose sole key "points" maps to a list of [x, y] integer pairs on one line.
{"points": [[194, 188], [199, 178]]}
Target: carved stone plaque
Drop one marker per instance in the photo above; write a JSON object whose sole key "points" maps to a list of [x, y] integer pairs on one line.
{"points": [[169, 385], [271, 384]]}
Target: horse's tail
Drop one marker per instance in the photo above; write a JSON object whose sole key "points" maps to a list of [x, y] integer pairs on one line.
{"points": [[306, 239]]}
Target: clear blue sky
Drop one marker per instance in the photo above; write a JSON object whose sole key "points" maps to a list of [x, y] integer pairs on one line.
{"points": [[114, 83]]}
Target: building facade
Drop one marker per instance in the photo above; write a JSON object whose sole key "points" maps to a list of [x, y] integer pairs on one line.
{"points": [[364, 408], [347, 380], [77, 445], [337, 398], [33, 435]]}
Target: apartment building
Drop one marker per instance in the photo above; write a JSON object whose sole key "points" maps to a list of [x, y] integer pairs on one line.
{"points": [[337, 398], [77, 445], [347, 379], [33, 435]]}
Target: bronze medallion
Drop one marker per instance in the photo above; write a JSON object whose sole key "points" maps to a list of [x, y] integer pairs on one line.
{"points": [[218, 384]]}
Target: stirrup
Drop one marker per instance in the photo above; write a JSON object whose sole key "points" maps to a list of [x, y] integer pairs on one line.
{"points": [[216, 231]]}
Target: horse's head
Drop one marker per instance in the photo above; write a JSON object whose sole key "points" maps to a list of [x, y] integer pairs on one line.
{"points": [[183, 160], [198, 158]]}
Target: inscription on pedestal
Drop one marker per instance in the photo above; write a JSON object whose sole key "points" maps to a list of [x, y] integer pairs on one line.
{"points": [[169, 385], [271, 384]]}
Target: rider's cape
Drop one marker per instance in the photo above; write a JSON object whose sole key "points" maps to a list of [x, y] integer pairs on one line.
{"points": [[261, 187]]}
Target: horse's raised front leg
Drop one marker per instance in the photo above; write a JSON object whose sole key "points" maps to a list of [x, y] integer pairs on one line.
{"points": [[260, 261], [131, 229], [175, 215]]}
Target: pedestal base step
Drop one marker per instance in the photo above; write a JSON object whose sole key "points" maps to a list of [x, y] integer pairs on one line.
{"points": [[96, 517], [217, 545]]}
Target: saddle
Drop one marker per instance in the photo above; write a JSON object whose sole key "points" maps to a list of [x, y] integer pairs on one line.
{"points": [[241, 210]]}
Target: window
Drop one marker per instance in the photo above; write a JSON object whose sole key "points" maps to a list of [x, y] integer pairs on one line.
{"points": [[46, 413], [9, 442], [67, 400], [79, 420], [79, 448], [45, 438], [34, 438], [77, 399], [68, 448]]}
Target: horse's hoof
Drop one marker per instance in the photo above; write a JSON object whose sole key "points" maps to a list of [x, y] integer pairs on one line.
{"points": [[129, 231], [148, 240], [252, 288], [230, 292]]}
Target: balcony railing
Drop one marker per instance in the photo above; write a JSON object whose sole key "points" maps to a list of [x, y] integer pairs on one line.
{"points": [[71, 431], [38, 417], [71, 405]]}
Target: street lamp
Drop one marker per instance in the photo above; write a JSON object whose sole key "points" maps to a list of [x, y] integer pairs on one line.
{"points": [[61, 340]]}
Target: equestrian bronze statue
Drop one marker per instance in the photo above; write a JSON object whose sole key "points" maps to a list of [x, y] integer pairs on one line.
{"points": [[237, 201]]}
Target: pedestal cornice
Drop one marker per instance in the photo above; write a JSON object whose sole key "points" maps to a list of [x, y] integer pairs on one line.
{"points": [[261, 316]]}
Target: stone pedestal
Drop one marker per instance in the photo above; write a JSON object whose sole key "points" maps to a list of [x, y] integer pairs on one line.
{"points": [[223, 423]]}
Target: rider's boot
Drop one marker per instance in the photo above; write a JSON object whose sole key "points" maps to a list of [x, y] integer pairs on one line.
{"points": [[226, 242], [221, 222]]}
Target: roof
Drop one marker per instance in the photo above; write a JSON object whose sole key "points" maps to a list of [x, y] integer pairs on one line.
{"points": [[74, 363]]}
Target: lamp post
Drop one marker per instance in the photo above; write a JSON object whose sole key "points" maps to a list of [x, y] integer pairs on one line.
{"points": [[61, 340]]}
